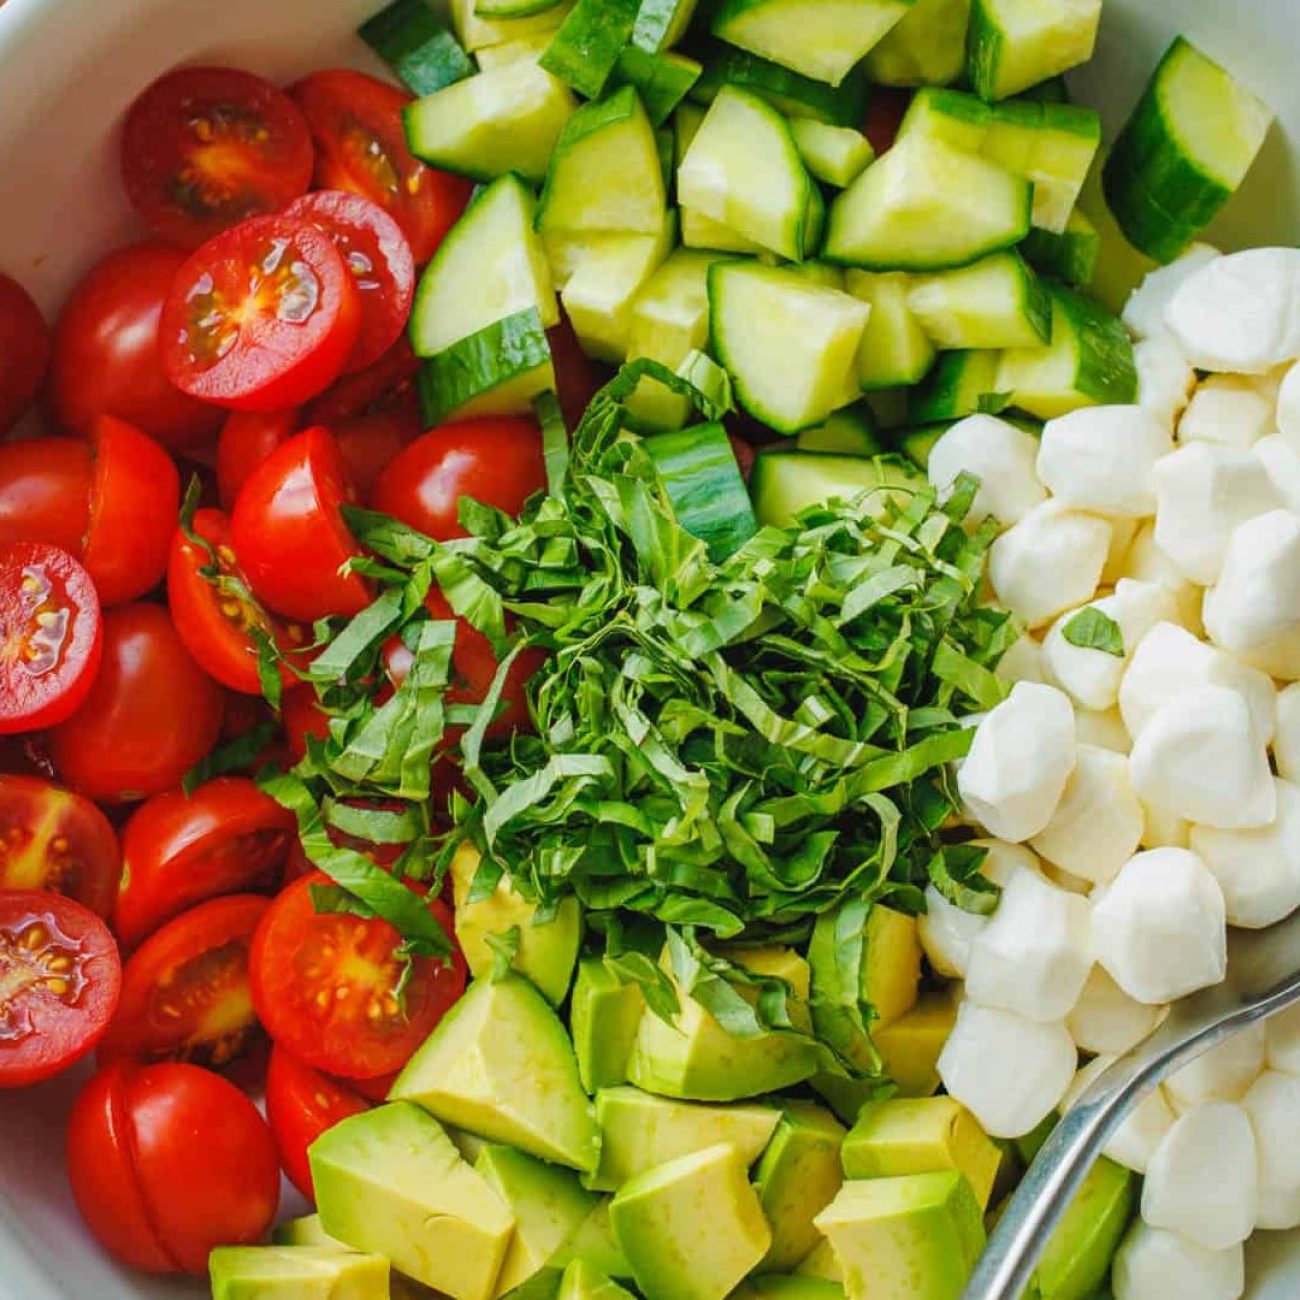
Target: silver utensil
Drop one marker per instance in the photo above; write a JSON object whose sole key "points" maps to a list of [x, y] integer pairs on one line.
{"points": [[1263, 979]]}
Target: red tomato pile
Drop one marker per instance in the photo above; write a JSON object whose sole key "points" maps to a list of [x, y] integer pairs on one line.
{"points": [[257, 340]]}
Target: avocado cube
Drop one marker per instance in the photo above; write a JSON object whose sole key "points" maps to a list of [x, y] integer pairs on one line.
{"points": [[891, 972], [846, 1097], [583, 1282], [548, 1203], [639, 1131], [797, 1178], [920, 1136], [594, 1244], [692, 1228], [1079, 1253], [306, 1231], [822, 1264], [390, 1181], [604, 1018], [773, 1286], [501, 1065], [546, 952], [910, 1238], [909, 1047], [543, 1285], [296, 1273]]}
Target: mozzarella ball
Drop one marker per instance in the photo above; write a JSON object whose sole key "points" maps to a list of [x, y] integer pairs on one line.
{"points": [[1153, 1264], [1231, 410], [1105, 1020], [1106, 730], [1273, 1107], [1103, 458], [1009, 1072], [1162, 829], [1146, 562], [1022, 663], [1001, 456], [1224, 1073], [1281, 463], [1288, 407], [1083, 1081], [1049, 562], [946, 932], [1004, 861], [1144, 313], [1019, 762], [1160, 929], [1165, 378], [1286, 740], [1122, 532], [1135, 1141], [1282, 1041]]}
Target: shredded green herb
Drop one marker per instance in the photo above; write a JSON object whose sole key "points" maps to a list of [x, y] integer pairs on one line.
{"points": [[1090, 629]]}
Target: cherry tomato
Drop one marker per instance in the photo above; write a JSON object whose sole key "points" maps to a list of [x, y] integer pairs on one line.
{"points": [[150, 715], [206, 148], [370, 443], [51, 636], [289, 533], [106, 355], [577, 377], [377, 253], [45, 492], [324, 984], [745, 455], [24, 351], [497, 461], [169, 1161], [60, 977], [185, 989], [302, 717], [376, 1089], [301, 1103], [885, 115], [247, 439], [356, 123], [261, 317], [178, 850], [55, 840], [390, 381]]}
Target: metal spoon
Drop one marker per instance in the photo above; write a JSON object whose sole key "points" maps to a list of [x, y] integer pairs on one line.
{"points": [[1263, 979]]}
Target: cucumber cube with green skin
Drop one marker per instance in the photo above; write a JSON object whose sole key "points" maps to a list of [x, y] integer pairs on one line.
{"points": [[895, 350], [851, 432], [837, 155], [706, 234], [660, 24], [527, 50], [784, 483], [603, 1019], [916, 445], [296, 1273], [1071, 256], [961, 384], [995, 303], [691, 1228], [479, 33], [1015, 44], [512, 8], [582, 1281], [585, 48], [926, 48], [772, 1286], [661, 80], [419, 49]]}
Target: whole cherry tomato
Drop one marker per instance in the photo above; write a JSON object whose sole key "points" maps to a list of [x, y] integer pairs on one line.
{"points": [[45, 492], [247, 439], [24, 351]]}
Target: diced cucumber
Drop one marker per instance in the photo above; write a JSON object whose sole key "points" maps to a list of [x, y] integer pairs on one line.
{"points": [[895, 349], [605, 172], [789, 346], [660, 24], [502, 120], [961, 384], [527, 50], [956, 118], [785, 483], [496, 371], [490, 266], [585, 48], [478, 33], [511, 8], [698, 467], [926, 48], [699, 231], [851, 432], [1070, 256], [917, 444], [423, 53], [1183, 153], [996, 303], [888, 406], [1089, 362], [666, 148], [822, 39], [837, 155], [823, 273], [708, 379], [1120, 266], [926, 206], [1015, 44], [661, 80], [742, 169]]}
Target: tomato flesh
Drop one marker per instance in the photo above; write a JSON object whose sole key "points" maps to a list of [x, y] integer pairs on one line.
{"points": [[24, 351]]}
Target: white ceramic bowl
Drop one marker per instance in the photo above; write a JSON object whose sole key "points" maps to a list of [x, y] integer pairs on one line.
{"points": [[68, 68]]}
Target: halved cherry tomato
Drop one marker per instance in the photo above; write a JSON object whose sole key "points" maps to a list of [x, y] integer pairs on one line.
{"points": [[376, 1089], [247, 439], [45, 492], [60, 977], [106, 354], [51, 636], [885, 115], [495, 460], [150, 715], [226, 837], [370, 443], [289, 533], [356, 123], [325, 985], [169, 1161], [577, 377], [302, 717], [301, 1103], [377, 253], [261, 317], [185, 990], [55, 840], [298, 864], [206, 148], [24, 351], [390, 381]]}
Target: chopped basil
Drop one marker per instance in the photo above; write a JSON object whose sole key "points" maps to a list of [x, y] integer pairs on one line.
{"points": [[1090, 629]]}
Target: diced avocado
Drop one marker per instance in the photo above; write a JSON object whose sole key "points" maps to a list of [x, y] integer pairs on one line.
{"points": [[1079, 1252], [389, 1181], [639, 1131], [306, 1231], [548, 1203], [910, 1238], [892, 972], [582, 1281], [603, 1019], [546, 953], [797, 1178], [909, 1048], [846, 1097], [543, 1285], [500, 1065], [296, 1273], [691, 1228], [921, 1136], [1028, 1147], [773, 1286], [823, 1264], [594, 1243]]}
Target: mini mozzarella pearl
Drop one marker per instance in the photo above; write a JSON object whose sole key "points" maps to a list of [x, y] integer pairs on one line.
{"points": [[1282, 1041], [1231, 410], [1286, 741], [1105, 1020], [1282, 465], [1083, 1081], [946, 932], [1122, 533], [1153, 1264], [1162, 829], [1001, 456], [1224, 1073], [1004, 861], [1165, 378], [1146, 562], [1105, 730], [1273, 1106], [1022, 663], [1144, 313], [1103, 458], [1135, 1141], [1288, 407]]}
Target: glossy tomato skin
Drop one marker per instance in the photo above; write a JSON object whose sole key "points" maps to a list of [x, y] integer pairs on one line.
{"points": [[45, 492], [289, 534], [577, 377], [495, 460], [389, 382], [169, 1161], [150, 715], [261, 317], [301, 1103], [62, 978], [106, 354], [206, 148], [51, 636], [178, 850], [247, 439], [356, 124], [368, 444], [24, 351], [302, 717], [885, 115], [53, 839]]}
